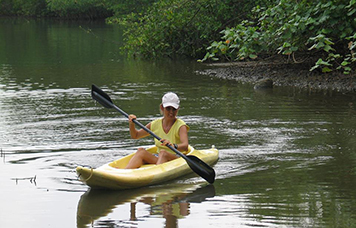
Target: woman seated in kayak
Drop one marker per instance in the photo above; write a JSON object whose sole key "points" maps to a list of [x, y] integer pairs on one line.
{"points": [[172, 131]]}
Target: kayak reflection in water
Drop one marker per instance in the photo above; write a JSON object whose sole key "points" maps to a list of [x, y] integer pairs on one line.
{"points": [[172, 131]]}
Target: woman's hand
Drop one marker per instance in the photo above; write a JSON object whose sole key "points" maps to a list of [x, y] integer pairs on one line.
{"points": [[166, 142], [137, 134], [132, 117]]}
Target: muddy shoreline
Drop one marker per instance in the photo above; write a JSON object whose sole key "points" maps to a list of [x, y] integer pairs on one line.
{"points": [[282, 74]]}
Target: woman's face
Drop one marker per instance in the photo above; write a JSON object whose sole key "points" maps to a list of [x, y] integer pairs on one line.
{"points": [[170, 112]]}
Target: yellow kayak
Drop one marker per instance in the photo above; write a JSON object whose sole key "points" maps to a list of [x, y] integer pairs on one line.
{"points": [[113, 175]]}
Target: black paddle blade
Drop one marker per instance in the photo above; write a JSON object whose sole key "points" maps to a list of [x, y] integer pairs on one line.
{"points": [[201, 168], [101, 97]]}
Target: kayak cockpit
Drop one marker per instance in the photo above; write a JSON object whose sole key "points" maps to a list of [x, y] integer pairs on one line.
{"points": [[122, 162]]}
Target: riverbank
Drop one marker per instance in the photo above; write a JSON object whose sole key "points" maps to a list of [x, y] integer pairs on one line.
{"points": [[282, 74]]}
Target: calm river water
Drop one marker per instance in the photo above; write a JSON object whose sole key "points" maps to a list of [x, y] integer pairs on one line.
{"points": [[287, 156]]}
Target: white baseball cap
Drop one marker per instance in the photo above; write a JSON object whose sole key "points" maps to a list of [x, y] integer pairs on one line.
{"points": [[170, 99]]}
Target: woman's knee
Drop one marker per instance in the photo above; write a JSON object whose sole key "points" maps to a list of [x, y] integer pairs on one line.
{"points": [[141, 151], [165, 156]]}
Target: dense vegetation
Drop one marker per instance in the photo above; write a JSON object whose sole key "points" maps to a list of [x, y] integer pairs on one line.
{"points": [[22, 7], [232, 30], [72, 9], [182, 27], [325, 28]]}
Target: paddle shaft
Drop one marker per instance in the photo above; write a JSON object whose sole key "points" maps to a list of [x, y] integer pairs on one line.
{"points": [[109, 104]]}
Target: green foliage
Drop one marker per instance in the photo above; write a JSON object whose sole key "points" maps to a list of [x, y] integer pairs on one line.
{"points": [[334, 60], [90, 9], [23, 7], [126, 7], [326, 28], [95, 8], [239, 43], [74, 9], [181, 27]]}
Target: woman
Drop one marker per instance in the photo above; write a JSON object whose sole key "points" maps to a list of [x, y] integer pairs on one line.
{"points": [[172, 131]]}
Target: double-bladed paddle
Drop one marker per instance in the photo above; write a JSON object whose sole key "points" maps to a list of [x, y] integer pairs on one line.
{"points": [[197, 165]]}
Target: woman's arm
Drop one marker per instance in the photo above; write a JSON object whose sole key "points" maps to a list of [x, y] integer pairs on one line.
{"points": [[184, 142]]}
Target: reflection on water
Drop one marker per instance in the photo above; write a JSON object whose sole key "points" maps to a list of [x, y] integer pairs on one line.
{"points": [[287, 157], [171, 202]]}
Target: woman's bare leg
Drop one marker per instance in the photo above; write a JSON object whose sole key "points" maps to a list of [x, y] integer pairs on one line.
{"points": [[165, 156], [141, 157]]}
